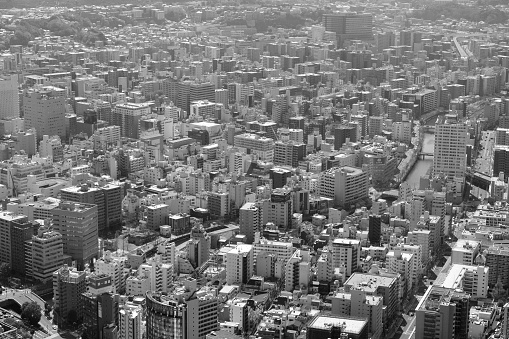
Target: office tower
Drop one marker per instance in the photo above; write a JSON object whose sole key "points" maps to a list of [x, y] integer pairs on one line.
{"points": [[374, 284], [114, 266], [346, 185], [100, 313], [449, 157], [127, 116], [198, 246], [374, 229], [343, 134], [108, 199], [281, 207], [423, 238], [297, 271], [9, 97], [442, 313], [346, 253], [289, 153], [20, 233], [349, 26], [6, 226], [188, 91], [68, 287], [249, 221], [44, 254], [130, 322], [328, 326], [239, 264], [44, 110], [77, 223]]}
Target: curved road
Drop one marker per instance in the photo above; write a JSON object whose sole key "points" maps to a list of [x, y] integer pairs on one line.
{"points": [[22, 296]]}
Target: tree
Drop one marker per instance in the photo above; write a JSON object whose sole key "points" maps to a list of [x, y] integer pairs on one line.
{"points": [[31, 311]]}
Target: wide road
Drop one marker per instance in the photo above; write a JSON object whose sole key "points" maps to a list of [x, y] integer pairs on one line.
{"points": [[22, 296]]}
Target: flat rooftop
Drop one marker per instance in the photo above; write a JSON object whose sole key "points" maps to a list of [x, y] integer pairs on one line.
{"points": [[348, 324]]}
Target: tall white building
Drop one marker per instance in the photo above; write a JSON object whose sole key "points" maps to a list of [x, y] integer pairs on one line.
{"points": [[239, 264], [347, 253], [129, 322], [402, 263], [44, 254], [449, 157], [113, 265], [297, 271]]}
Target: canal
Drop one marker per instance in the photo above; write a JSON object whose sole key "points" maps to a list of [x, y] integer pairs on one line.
{"points": [[421, 166]]}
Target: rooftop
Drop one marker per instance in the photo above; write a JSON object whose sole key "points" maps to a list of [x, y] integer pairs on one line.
{"points": [[348, 324]]}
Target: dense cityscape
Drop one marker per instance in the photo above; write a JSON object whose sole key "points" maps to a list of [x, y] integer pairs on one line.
{"points": [[261, 170]]}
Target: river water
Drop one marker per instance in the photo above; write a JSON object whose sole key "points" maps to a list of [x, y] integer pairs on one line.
{"points": [[421, 166]]}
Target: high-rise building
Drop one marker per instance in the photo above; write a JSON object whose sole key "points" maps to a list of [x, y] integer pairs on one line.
{"points": [[114, 266], [374, 229], [9, 97], [20, 233], [198, 246], [77, 222], [347, 253], [497, 259], [280, 207], [289, 153], [100, 313], [6, 225], [449, 157], [344, 133], [249, 221], [130, 322], [189, 91], [44, 254], [357, 303], [297, 271], [349, 26], [44, 110], [239, 264], [68, 287], [108, 199], [442, 313], [374, 284], [128, 116]]}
